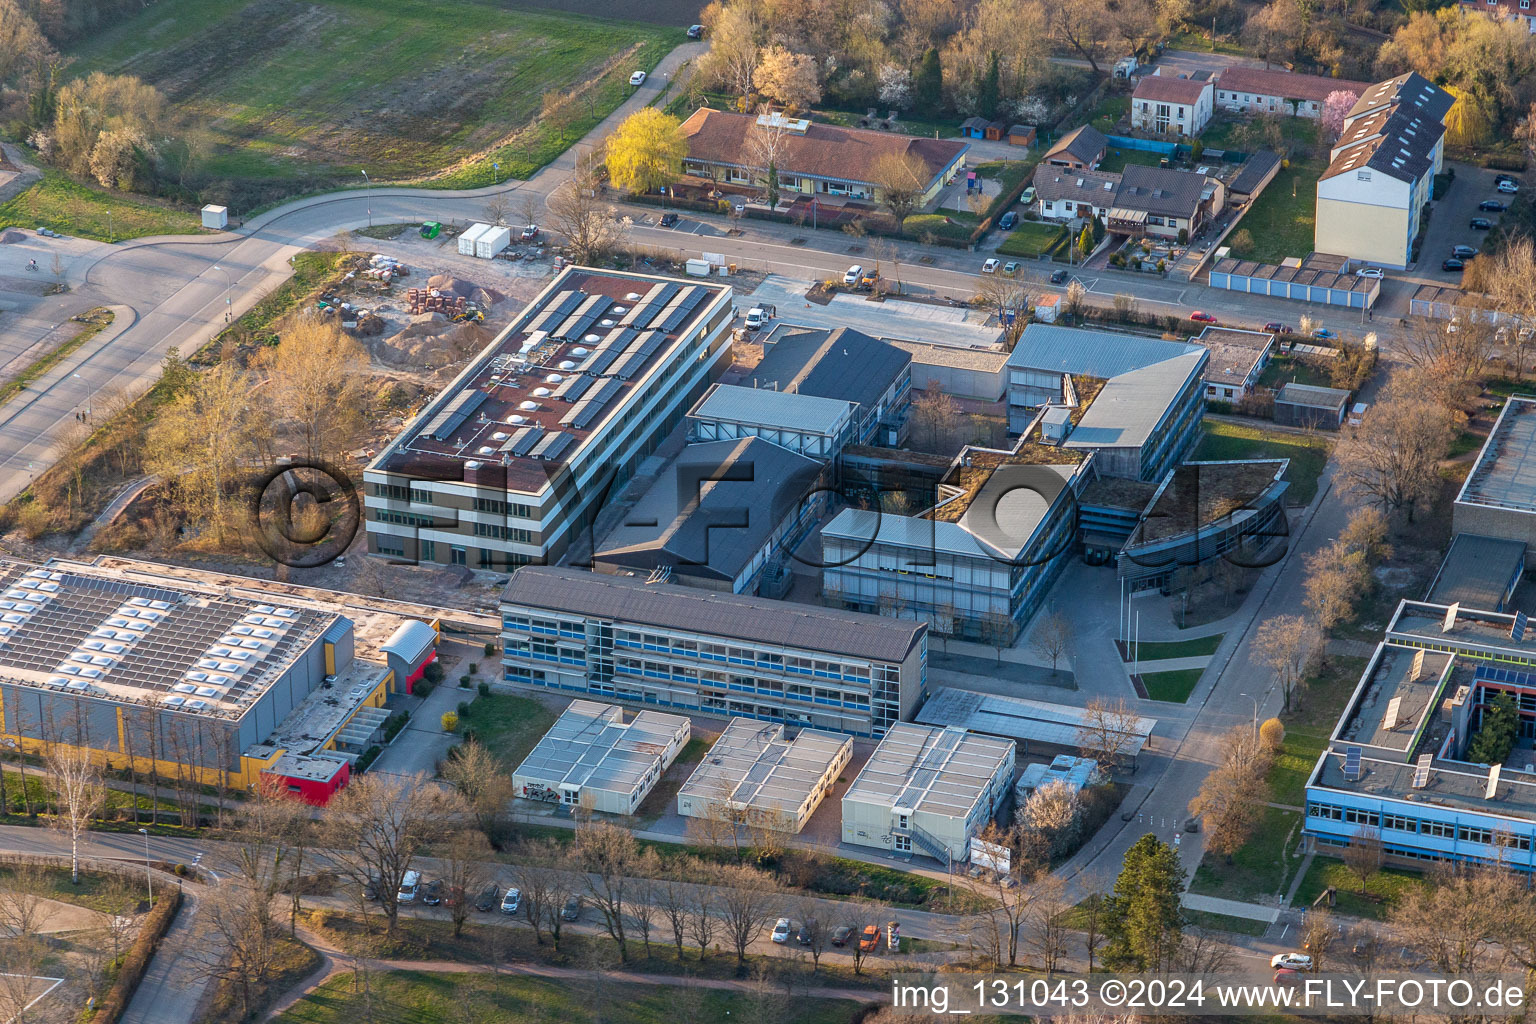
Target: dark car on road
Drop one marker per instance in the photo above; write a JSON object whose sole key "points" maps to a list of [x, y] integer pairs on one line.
{"points": [[1480, 224], [1491, 206], [1058, 277], [695, 31], [372, 888], [841, 936], [488, 898], [668, 220], [1276, 327], [432, 893], [807, 933], [1009, 220], [572, 909], [1453, 264]]}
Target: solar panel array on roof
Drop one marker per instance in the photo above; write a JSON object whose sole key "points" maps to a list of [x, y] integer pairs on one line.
{"points": [[651, 306], [586, 411], [636, 355], [1352, 763], [522, 441], [452, 416], [1517, 628], [553, 446], [574, 387], [1421, 771], [556, 310], [1394, 709], [585, 315], [680, 310]]}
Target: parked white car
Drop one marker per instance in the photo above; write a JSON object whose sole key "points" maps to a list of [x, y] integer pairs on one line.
{"points": [[781, 931], [852, 275], [1508, 187], [1368, 272], [408, 887], [638, 78], [989, 267]]}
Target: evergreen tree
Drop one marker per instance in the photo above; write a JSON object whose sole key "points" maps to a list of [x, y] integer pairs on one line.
{"points": [[928, 83], [1085, 241], [1501, 725], [989, 92], [1144, 918]]}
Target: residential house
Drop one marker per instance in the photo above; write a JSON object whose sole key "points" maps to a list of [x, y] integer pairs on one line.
{"points": [[1266, 91], [1063, 193], [1517, 9], [1238, 359], [1170, 105], [1080, 149], [812, 159], [1163, 201], [1371, 197]]}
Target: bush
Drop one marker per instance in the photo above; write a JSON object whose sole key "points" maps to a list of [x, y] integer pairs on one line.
{"points": [[490, 649], [1241, 241], [474, 668], [156, 923], [465, 682], [434, 672], [484, 688], [450, 721], [1183, 236], [1272, 732], [395, 723], [422, 689], [369, 756], [1162, 265], [463, 709]]}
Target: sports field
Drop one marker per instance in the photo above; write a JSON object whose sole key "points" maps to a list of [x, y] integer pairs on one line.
{"points": [[285, 98]]}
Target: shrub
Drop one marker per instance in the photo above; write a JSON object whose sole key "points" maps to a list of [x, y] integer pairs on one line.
{"points": [[450, 721], [465, 682], [1183, 236], [1241, 241], [434, 672], [394, 724], [463, 709], [484, 689], [1272, 732], [156, 923], [423, 688], [1162, 265], [490, 649], [369, 756]]}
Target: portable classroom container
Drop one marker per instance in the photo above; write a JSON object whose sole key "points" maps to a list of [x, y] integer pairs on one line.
{"points": [[469, 237], [492, 241]]}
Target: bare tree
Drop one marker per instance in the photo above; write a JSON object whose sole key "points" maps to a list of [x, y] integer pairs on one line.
{"points": [[1052, 637], [813, 926], [857, 915], [561, 887], [78, 793], [483, 781], [591, 227], [1107, 727], [766, 140], [1045, 921], [746, 900], [23, 899], [608, 854], [1462, 922], [1286, 644], [464, 873], [643, 904], [1318, 933], [702, 920], [21, 962], [1231, 800], [496, 208], [378, 825], [674, 898], [249, 940], [1094, 907], [1363, 856], [900, 181], [1053, 815], [936, 418], [533, 873]]}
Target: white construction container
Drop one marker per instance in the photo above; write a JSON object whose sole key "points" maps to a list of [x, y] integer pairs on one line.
{"points": [[697, 268], [215, 216], [468, 238], [492, 241]]}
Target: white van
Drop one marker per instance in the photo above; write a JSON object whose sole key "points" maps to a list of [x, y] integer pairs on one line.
{"points": [[408, 887]]}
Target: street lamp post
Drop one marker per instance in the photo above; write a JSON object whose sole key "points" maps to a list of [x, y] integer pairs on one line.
{"points": [[228, 284], [1255, 710], [149, 879], [368, 196]]}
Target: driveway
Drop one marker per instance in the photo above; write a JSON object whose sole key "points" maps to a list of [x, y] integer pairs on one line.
{"points": [[1448, 223]]}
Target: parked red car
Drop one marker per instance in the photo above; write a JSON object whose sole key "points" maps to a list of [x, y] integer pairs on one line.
{"points": [[1203, 318]]}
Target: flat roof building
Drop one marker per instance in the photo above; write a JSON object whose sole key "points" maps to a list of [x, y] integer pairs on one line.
{"points": [[1498, 498], [845, 365], [812, 426], [1479, 572], [757, 776], [592, 758], [929, 791], [717, 653], [513, 458], [1238, 359], [1036, 726], [1311, 406]]}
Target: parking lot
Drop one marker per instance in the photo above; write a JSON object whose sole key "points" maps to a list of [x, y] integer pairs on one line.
{"points": [[1449, 224]]}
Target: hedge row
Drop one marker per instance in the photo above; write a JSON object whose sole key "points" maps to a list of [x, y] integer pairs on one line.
{"points": [[136, 962]]}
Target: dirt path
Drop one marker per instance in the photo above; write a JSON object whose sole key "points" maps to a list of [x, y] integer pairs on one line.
{"points": [[333, 962]]}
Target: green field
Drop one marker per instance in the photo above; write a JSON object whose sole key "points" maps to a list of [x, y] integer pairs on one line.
{"points": [[1030, 239], [1174, 687], [1258, 870], [508, 726], [287, 98], [1281, 223], [420, 997], [69, 207], [1382, 892], [1308, 454], [1162, 650], [1223, 923], [1116, 159]]}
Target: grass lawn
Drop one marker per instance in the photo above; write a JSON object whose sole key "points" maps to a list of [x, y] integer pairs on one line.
{"points": [[1116, 159], [1388, 886], [1283, 370], [1174, 687], [393, 94], [1261, 868], [1109, 112], [509, 726], [1282, 219], [1031, 238], [1297, 757], [1160, 650], [98, 891], [1222, 923], [418, 997], [72, 208], [1308, 454], [946, 224], [1203, 42]]}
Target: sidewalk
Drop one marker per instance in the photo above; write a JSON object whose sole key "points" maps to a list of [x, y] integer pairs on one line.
{"points": [[1230, 908]]}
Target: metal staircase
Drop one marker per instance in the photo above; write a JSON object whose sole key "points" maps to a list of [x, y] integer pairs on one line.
{"points": [[924, 841]]}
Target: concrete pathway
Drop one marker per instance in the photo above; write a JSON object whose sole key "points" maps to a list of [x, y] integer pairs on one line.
{"points": [[1168, 664], [1231, 908]]}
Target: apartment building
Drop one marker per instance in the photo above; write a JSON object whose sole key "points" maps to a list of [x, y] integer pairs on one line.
{"points": [[1172, 105], [514, 458]]}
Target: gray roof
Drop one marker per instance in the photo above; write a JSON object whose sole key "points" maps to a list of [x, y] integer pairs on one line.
{"points": [[1504, 474], [1017, 718], [1397, 141], [1411, 89], [1255, 168], [1102, 354], [1476, 571], [1132, 404], [753, 766], [937, 771], [712, 508], [780, 410], [632, 600], [1085, 143], [1053, 183], [1313, 396], [1160, 190], [591, 747], [841, 363]]}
